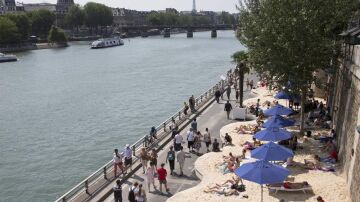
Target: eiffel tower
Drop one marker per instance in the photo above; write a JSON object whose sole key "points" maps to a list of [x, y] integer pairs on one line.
{"points": [[194, 6]]}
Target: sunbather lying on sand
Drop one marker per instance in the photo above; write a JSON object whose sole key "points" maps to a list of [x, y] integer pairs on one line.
{"points": [[291, 185], [228, 188]]}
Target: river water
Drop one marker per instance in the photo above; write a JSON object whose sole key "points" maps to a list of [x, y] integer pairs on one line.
{"points": [[63, 111]]}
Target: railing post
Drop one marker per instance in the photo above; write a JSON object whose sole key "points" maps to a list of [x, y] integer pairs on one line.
{"points": [[179, 115], [105, 173], [201, 97], [86, 185], [164, 127], [133, 150]]}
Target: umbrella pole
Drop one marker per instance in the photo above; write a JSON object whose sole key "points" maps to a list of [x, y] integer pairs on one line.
{"points": [[261, 193]]}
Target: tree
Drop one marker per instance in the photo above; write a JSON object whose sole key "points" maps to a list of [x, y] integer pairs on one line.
{"points": [[97, 15], [289, 40], [153, 18], [8, 31], [75, 17], [56, 35], [240, 58], [22, 22], [42, 20]]}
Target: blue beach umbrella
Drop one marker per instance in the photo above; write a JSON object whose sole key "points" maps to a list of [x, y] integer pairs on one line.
{"points": [[278, 121], [278, 110], [282, 95], [262, 172], [273, 134], [272, 152]]}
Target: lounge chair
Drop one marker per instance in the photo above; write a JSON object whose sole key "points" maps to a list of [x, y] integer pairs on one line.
{"points": [[282, 188]]}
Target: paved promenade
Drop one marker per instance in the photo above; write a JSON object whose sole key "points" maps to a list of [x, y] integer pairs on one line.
{"points": [[214, 118]]}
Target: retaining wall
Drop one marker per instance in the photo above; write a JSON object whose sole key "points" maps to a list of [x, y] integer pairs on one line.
{"points": [[346, 118]]}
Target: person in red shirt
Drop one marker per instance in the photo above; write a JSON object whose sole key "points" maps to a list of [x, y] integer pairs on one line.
{"points": [[162, 173]]}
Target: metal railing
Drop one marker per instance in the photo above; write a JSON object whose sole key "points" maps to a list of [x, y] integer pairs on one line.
{"points": [[163, 131]]}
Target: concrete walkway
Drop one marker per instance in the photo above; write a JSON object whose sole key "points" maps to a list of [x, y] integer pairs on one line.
{"points": [[214, 118]]}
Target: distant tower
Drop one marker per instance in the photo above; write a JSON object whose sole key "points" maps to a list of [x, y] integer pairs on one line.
{"points": [[62, 6], [194, 6]]}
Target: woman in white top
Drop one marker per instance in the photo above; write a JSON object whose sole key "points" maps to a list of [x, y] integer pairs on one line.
{"points": [[117, 159], [207, 139], [140, 194], [150, 172]]}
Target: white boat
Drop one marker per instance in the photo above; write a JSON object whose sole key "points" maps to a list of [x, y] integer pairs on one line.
{"points": [[7, 58], [107, 42]]}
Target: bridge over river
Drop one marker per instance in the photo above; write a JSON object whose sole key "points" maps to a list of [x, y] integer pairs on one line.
{"points": [[166, 29]]}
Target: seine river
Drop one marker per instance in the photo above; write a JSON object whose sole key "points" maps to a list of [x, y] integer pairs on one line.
{"points": [[63, 111]]}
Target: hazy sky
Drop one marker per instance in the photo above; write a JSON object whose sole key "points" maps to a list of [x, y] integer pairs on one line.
{"points": [[215, 5]]}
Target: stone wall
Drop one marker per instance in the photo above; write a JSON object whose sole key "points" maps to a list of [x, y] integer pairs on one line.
{"points": [[346, 115]]}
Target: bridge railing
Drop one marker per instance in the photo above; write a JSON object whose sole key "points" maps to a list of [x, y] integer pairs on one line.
{"points": [[90, 185]]}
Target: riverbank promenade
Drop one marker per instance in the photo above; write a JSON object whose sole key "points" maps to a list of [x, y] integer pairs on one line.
{"points": [[213, 118]]}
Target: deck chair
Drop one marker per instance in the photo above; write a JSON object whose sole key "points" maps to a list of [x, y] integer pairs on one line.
{"points": [[281, 188]]}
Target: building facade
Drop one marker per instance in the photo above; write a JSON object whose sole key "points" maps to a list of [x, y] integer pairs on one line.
{"points": [[38, 6], [125, 17]]}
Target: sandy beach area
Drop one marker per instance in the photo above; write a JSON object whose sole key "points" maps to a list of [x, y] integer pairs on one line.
{"points": [[329, 185]]}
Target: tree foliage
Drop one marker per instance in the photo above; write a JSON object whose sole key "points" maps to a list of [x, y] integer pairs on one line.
{"points": [[22, 22], [97, 15], [75, 16], [56, 35], [42, 20], [8, 31], [288, 40]]}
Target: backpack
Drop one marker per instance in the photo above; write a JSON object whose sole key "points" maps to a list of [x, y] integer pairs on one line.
{"points": [[171, 156], [131, 196]]}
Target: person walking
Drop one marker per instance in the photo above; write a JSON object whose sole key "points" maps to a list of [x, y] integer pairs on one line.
{"points": [[186, 108], [190, 138], [117, 191], [207, 139], [222, 90], [197, 141], [132, 192], [257, 109], [180, 156], [128, 157], [117, 159], [153, 134], [237, 95], [171, 159], [150, 173], [228, 92], [162, 173], [228, 108], [247, 83], [217, 95], [153, 158], [144, 157], [194, 125], [178, 141], [140, 195], [192, 103], [251, 84]]}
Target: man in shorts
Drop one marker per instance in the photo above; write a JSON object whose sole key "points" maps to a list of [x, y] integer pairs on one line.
{"points": [[128, 157], [162, 173]]}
